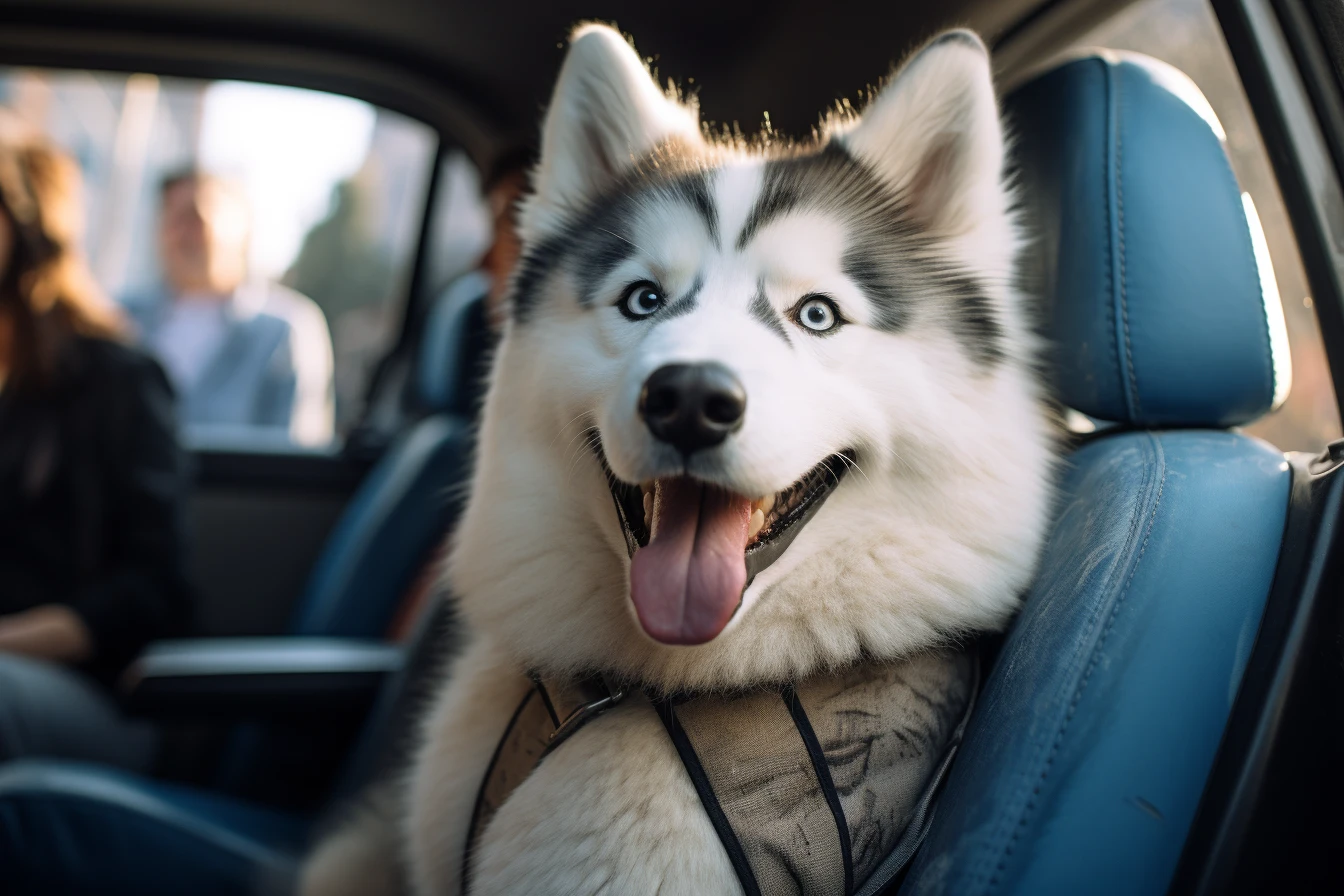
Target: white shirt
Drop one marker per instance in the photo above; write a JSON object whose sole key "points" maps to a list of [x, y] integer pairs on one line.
{"points": [[190, 335]]}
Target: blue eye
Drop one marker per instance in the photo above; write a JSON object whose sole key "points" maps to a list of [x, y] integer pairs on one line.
{"points": [[818, 314], [641, 300]]}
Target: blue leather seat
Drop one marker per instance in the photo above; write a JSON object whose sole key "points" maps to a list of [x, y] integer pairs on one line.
{"points": [[1097, 727], [1084, 763], [411, 497], [397, 518]]}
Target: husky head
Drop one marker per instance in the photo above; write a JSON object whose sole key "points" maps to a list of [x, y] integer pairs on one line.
{"points": [[760, 408]]}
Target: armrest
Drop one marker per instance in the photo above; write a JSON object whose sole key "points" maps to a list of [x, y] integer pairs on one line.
{"points": [[256, 678]]}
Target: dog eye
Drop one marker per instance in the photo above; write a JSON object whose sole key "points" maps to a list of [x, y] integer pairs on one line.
{"points": [[641, 300], [817, 314]]}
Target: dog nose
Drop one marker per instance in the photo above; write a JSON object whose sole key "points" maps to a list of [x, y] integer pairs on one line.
{"points": [[692, 406]]}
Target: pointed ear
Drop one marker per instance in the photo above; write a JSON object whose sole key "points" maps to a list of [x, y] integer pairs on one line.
{"points": [[605, 113], [933, 132]]}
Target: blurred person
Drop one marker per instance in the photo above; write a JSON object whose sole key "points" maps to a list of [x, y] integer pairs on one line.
{"points": [[92, 480], [242, 352], [346, 267], [504, 187]]}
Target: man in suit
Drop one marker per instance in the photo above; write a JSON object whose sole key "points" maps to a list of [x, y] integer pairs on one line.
{"points": [[244, 355]]}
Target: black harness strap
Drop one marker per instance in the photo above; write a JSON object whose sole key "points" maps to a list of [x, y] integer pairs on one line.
{"points": [[545, 718], [823, 771], [486, 804], [696, 771], [793, 819]]}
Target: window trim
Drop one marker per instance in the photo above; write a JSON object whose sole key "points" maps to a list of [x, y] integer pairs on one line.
{"points": [[231, 48], [1309, 174], [414, 309]]}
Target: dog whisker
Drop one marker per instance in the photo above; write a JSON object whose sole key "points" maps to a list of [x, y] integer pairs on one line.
{"points": [[854, 465], [591, 439], [577, 417], [626, 240]]}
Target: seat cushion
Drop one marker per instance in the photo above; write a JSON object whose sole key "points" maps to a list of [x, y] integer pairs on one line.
{"points": [[1084, 763], [71, 828]]}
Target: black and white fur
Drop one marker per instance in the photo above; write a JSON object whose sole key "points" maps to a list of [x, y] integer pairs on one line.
{"points": [[901, 217]]}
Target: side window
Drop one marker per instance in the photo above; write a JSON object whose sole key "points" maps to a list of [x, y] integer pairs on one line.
{"points": [[1185, 34], [261, 239]]}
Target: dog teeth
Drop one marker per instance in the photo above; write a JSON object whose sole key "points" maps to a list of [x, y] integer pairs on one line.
{"points": [[757, 522], [760, 508]]}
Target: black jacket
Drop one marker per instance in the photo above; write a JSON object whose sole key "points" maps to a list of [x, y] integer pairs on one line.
{"points": [[92, 487]]}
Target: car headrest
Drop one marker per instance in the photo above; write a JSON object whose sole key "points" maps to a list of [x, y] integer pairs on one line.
{"points": [[1159, 297], [456, 336]]}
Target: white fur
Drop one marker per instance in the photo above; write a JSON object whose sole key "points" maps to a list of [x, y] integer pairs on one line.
{"points": [[933, 537]]}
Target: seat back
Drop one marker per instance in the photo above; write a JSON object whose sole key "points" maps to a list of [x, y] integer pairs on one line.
{"points": [[382, 546], [400, 513], [1097, 728]]}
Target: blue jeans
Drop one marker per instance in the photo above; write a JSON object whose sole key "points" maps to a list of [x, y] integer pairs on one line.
{"points": [[52, 712]]}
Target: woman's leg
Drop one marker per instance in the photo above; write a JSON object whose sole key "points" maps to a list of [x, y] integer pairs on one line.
{"points": [[49, 711]]}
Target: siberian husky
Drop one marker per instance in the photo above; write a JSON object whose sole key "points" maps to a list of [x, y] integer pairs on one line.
{"points": [[761, 409]]}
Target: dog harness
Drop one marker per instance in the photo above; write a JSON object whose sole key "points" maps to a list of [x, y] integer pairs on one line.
{"points": [[821, 788]]}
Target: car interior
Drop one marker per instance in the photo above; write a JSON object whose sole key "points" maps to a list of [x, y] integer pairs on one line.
{"points": [[1162, 716]]}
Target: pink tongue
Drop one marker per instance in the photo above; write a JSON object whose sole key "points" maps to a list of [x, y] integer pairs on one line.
{"points": [[688, 580]]}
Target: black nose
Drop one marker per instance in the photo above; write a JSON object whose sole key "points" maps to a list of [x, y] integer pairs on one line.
{"points": [[692, 406]]}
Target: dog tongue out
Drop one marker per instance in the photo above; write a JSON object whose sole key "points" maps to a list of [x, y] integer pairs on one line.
{"points": [[687, 582]]}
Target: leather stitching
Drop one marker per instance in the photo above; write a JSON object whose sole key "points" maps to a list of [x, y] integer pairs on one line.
{"points": [[1108, 267], [1097, 649], [1135, 407], [994, 872]]}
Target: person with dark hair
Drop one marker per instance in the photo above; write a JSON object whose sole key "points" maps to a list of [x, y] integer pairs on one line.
{"points": [[92, 480], [504, 186], [241, 352]]}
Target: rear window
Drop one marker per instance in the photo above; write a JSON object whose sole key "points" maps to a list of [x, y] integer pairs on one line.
{"points": [[312, 202]]}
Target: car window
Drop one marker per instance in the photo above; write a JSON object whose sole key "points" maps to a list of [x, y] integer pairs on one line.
{"points": [[1185, 34], [261, 238]]}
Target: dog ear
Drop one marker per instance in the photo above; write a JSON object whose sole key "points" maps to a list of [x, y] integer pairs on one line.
{"points": [[933, 132], [605, 113]]}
